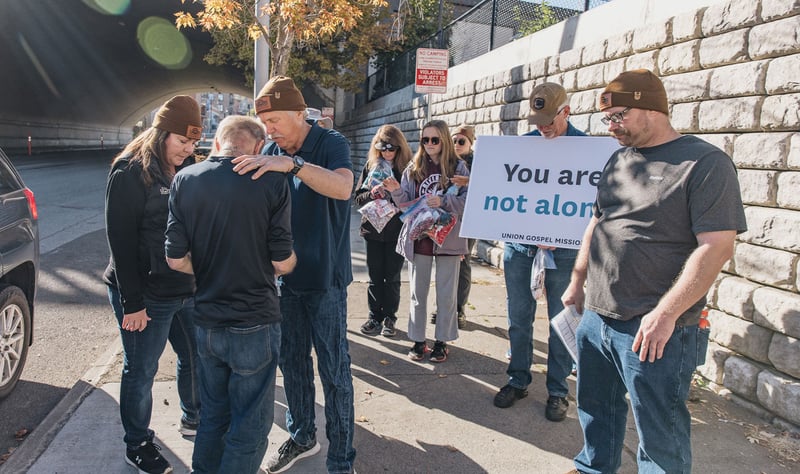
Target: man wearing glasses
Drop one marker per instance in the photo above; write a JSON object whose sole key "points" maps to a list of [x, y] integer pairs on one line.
{"points": [[549, 107], [667, 212]]}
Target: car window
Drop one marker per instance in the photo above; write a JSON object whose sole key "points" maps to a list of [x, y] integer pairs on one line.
{"points": [[8, 182]]}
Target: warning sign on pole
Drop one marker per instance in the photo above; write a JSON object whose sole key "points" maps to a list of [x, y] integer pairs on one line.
{"points": [[431, 71]]}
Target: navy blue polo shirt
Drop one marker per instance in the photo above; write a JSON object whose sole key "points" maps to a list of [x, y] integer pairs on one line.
{"points": [[320, 225]]}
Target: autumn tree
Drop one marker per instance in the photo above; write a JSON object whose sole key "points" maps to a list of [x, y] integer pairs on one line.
{"points": [[304, 24]]}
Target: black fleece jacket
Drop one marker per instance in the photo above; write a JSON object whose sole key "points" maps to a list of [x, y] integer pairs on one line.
{"points": [[136, 219]]}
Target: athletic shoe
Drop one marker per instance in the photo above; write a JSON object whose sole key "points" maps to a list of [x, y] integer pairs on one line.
{"points": [[147, 459], [418, 351], [289, 453], [371, 327], [508, 395], [188, 428], [439, 353], [388, 328], [556, 409], [462, 320]]}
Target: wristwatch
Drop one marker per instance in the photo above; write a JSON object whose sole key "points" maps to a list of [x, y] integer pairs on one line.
{"points": [[299, 162]]}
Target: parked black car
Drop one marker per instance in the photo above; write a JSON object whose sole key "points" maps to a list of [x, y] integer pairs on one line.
{"points": [[19, 269]]}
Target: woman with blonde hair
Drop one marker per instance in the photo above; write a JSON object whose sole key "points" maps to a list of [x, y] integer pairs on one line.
{"points": [[429, 177], [388, 150]]}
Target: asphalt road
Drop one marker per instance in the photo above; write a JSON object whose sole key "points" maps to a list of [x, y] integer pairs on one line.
{"points": [[73, 324]]}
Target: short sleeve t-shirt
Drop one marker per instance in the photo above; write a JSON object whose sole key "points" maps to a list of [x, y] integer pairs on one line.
{"points": [[651, 203], [320, 225]]}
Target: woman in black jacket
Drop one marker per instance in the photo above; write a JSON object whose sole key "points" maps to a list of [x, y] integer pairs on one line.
{"points": [[388, 150], [151, 302]]}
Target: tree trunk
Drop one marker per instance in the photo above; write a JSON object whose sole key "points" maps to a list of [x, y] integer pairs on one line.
{"points": [[281, 51]]}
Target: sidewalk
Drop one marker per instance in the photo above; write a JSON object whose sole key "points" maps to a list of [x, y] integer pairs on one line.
{"points": [[410, 417]]}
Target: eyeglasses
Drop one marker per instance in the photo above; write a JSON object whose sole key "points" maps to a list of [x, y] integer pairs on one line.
{"points": [[383, 146], [556, 115], [459, 141], [616, 118], [431, 140]]}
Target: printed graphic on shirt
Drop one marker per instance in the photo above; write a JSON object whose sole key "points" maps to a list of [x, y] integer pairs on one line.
{"points": [[430, 185]]}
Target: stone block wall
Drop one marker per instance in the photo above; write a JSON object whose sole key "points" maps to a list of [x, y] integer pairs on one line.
{"points": [[732, 73]]}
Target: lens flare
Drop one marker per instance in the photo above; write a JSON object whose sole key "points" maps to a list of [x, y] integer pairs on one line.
{"points": [[163, 43]]}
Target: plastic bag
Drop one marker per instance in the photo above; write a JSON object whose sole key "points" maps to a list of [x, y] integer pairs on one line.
{"points": [[542, 261], [377, 174], [443, 225], [379, 212], [421, 220]]}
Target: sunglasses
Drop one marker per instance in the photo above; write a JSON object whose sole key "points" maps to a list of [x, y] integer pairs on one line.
{"points": [[616, 118], [431, 140], [383, 146], [459, 141]]}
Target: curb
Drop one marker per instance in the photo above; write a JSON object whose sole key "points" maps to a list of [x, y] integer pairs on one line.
{"points": [[39, 440]]}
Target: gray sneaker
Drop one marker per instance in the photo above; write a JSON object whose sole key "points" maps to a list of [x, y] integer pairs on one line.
{"points": [[388, 328], [289, 453]]}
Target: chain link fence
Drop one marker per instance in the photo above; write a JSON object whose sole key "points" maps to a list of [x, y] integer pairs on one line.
{"points": [[488, 25]]}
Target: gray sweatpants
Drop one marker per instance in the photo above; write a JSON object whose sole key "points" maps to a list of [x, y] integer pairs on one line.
{"points": [[419, 271]]}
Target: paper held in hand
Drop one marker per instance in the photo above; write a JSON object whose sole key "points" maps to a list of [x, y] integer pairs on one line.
{"points": [[566, 323]]}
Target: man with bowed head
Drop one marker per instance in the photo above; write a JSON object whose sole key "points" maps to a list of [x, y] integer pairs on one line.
{"points": [[314, 296], [667, 212], [549, 113], [234, 234]]}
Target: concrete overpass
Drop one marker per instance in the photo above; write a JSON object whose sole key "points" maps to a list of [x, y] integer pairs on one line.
{"points": [[73, 70]]}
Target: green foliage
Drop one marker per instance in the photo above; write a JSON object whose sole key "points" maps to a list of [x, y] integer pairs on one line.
{"points": [[547, 16]]}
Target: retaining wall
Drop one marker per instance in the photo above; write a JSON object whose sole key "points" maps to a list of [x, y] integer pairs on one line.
{"points": [[732, 73]]}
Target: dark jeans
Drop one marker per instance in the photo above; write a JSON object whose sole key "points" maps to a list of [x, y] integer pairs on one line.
{"points": [[318, 318], [608, 369], [238, 368], [170, 319], [517, 268], [465, 277], [559, 362], [384, 265]]}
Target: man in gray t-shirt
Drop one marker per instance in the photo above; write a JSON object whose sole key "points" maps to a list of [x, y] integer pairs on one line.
{"points": [[667, 213]]}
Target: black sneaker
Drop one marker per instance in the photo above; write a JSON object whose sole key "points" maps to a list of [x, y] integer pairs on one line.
{"points": [[439, 353], [371, 327], [433, 318], [147, 459], [418, 351], [508, 395], [556, 408], [388, 328], [289, 453], [462, 320], [188, 428]]}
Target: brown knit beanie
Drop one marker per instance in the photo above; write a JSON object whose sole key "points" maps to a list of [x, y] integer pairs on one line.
{"points": [[466, 130], [180, 115], [639, 89], [279, 93]]}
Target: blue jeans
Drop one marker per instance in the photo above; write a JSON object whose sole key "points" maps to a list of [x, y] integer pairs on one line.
{"points": [[607, 370], [170, 319], [521, 310], [238, 368], [559, 362], [517, 268], [318, 318]]}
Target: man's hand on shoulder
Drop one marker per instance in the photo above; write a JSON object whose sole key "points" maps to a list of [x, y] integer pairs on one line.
{"points": [[261, 164]]}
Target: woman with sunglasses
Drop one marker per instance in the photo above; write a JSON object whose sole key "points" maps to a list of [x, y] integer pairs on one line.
{"points": [[429, 177], [384, 264]]}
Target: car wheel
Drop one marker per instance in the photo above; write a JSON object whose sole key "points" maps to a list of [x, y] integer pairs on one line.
{"points": [[15, 327]]}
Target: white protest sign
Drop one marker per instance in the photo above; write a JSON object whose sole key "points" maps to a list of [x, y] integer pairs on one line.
{"points": [[532, 190]]}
